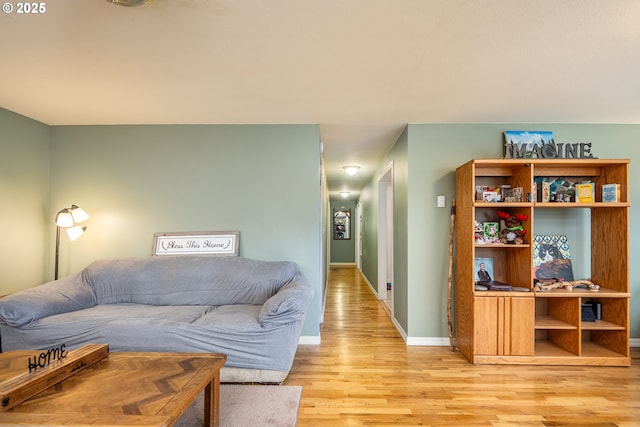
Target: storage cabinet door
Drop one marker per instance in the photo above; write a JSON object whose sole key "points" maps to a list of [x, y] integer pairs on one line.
{"points": [[519, 323], [504, 326], [486, 321]]}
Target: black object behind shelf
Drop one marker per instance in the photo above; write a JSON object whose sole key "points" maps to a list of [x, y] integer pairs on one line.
{"points": [[587, 313]]}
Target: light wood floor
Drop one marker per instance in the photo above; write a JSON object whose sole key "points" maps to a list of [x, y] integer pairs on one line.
{"points": [[363, 374]]}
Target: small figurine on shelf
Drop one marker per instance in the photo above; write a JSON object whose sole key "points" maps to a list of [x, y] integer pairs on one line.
{"points": [[511, 229], [478, 232]]}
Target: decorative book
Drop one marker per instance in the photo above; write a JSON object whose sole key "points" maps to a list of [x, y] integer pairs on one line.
{"points": [[584, 192], [611, 193], [543, 191]]}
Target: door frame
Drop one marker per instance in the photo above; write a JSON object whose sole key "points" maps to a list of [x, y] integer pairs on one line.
{"points": [[385, 232]]}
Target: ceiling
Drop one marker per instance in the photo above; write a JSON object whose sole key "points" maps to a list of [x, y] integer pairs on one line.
{"points": [[361, 69]]}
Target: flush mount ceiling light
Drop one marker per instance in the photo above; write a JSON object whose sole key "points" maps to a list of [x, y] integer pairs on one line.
{"points": [[129, 3], [345, 194], [351, 169]]}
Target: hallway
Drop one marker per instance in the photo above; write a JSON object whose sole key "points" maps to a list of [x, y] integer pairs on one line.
{"points": [[363, 374]]}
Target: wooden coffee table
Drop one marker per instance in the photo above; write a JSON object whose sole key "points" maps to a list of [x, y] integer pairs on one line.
{"points": [[132, 389]]}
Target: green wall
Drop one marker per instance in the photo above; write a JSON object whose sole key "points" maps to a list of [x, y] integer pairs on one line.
{"points": [[434, 151], [344, 251], [134, 181], [398, 159], [369, 250], [24, 209]]}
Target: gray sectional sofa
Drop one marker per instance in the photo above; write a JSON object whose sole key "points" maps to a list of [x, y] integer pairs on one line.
{"points": [[250, 310]]}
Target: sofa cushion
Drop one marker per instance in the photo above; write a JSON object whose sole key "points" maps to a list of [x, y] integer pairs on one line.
{"points": [[67, 294], [288, 305], [233, 330], [187, 280], [139, 325]]}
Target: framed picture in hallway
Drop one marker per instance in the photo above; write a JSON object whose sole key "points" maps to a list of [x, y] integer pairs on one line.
{"points": [[342, 224]]}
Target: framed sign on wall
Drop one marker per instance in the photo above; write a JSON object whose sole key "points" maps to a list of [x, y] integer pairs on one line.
{"points": [[197, 243]]}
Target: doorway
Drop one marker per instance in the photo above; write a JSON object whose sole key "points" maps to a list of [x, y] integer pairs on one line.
{"points": [[385, 237]]}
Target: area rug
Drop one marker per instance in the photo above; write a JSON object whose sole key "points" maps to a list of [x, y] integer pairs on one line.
{"points": [[249, 405]]}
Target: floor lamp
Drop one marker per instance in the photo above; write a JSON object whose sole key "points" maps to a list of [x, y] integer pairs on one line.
{"points": [[68, 218]]}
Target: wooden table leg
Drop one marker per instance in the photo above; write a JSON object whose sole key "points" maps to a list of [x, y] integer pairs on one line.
{"points": [[212, 403]]}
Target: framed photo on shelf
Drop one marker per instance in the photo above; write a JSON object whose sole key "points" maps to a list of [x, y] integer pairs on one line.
{"points": [[522, 144], [491, 231], [551, 257], [484, 269]]}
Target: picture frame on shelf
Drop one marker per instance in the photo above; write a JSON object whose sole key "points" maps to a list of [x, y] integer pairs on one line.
{"points": [[525, 143], [491, 231], [483, 269], [552, 258]]}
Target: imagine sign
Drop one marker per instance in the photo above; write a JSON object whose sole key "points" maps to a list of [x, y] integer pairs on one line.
{"points": [[540, 144]]}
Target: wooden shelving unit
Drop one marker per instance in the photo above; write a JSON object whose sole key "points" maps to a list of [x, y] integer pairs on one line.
{"points": [[542, 327]]}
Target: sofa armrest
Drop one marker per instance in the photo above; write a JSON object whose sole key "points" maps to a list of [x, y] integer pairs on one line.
{"points": [[60, 296], [288, 305]]}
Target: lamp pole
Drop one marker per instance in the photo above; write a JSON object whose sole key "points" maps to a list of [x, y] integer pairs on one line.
{"points": [[55, 275]]}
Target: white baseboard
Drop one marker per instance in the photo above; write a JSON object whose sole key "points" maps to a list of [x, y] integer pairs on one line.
{"points": [[428, 341], [309, 340], [401, 331], [343, 264], [373, 291]]}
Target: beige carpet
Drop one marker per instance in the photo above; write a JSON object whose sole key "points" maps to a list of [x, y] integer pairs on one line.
{"points": [[250, 406]]}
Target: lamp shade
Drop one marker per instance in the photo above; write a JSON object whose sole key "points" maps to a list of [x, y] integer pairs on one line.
{"points": [[64, 218], [78, 214], [75, 232]]}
